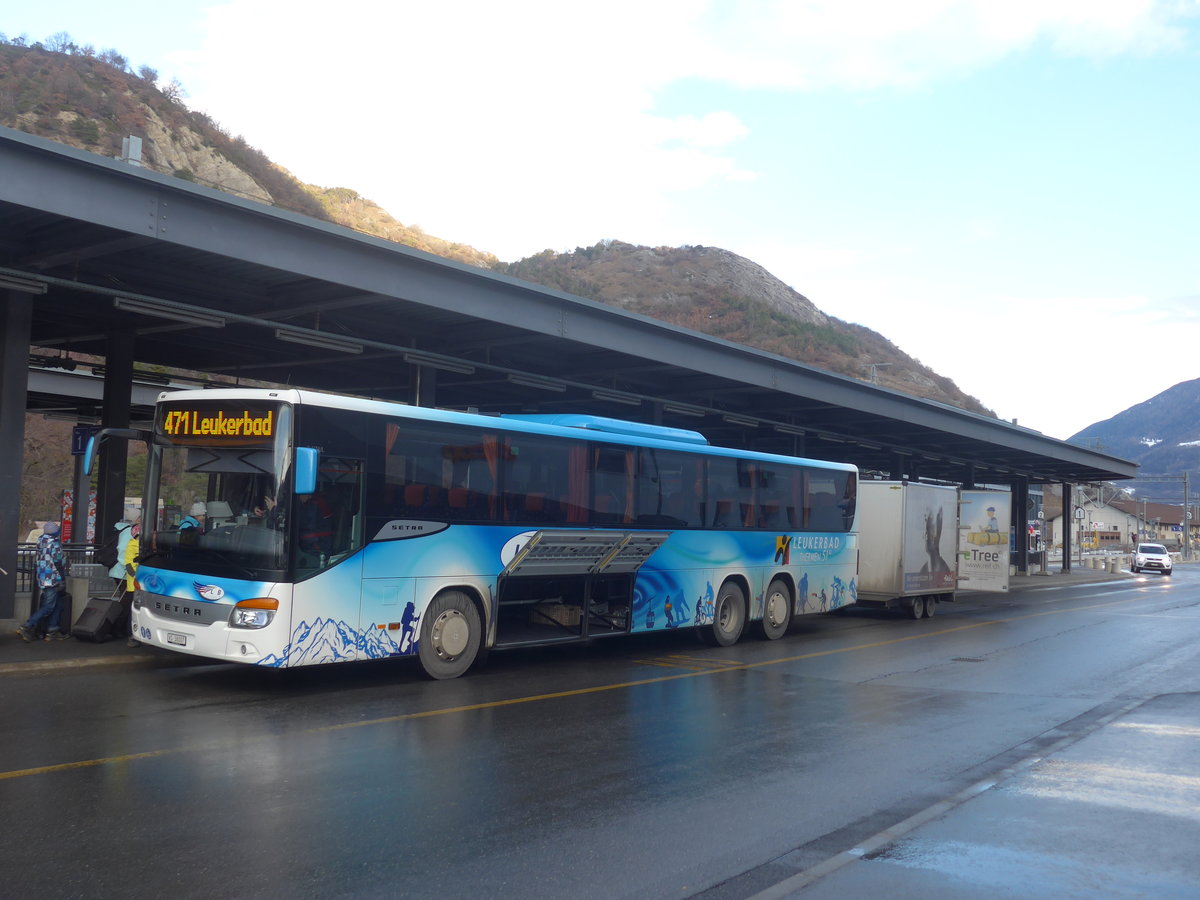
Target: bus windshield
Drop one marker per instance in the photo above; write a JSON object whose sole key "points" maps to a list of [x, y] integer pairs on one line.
{"points": [[219, 480]]}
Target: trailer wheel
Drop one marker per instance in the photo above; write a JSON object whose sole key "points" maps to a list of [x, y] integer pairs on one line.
{"points": [[930, 607], [729, 617], [917, 607], [450, 635], [777, 611]]}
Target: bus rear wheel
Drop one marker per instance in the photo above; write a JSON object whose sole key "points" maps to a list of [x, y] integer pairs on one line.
{"points": [[729, 617], [777, 611], [450, 635]]}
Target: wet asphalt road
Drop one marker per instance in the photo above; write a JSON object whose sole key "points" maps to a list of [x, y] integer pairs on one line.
{"points": [[647, 768]]}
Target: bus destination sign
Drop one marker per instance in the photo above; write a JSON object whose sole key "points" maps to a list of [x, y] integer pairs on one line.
{"points": [[219, 424]]}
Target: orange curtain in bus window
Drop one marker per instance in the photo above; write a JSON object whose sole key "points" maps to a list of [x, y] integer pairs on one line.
{"points": [[795, 511], [629, 482], [577, 497], [749, 495], [491, 455]]}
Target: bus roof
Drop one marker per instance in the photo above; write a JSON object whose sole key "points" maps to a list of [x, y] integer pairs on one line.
{"points": [[614, 426], [599, 428]]}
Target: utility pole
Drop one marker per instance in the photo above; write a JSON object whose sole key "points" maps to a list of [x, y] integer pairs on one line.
{"points": [[1187, 518]]}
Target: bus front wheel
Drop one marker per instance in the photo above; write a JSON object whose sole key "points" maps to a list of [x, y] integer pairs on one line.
{"points": [[777, 611], [450, 635], [729, 617]]}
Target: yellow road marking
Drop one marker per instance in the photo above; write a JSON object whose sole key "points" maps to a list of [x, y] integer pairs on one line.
{"points": [[706, 660], [665, 663], [683, 661], [556, 695], [88, 763]]}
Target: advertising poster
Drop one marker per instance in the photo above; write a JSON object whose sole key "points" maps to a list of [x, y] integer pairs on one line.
{"points": [[929, 517], [983, 540], [67, 505]]}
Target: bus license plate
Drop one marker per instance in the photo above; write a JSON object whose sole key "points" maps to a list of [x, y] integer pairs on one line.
{"points": [[176, 638]]}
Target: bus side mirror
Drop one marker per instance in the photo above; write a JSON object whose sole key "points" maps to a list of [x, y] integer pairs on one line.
{"points": [[93, 443], [306, 470], [89, 455]]}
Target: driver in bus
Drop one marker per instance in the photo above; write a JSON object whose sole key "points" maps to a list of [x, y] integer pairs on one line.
{"points": [[269, 511], [316, 525]]}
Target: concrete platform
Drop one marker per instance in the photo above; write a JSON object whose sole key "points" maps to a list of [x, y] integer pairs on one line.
{"points": [[1112, 814]]}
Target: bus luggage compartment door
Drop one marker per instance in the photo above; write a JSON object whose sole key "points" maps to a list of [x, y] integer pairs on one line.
{"points": [[566, 585]]}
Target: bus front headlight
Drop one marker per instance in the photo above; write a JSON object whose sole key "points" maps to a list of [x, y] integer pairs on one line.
{"points": [[256, 612]]}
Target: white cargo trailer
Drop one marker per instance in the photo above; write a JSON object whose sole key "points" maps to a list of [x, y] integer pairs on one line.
{"points": [[908, 538]]}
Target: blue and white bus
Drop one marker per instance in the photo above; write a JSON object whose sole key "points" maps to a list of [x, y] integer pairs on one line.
{"points": [[332, 528]]}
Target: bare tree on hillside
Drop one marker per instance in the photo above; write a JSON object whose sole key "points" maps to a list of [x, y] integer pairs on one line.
{"points": [[59, 42], [174, 91], [114, 59]]}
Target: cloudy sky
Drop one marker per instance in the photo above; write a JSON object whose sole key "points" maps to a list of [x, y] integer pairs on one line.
{"points": [[1007, 190]]}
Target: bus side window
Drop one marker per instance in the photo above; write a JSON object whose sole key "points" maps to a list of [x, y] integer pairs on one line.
{"points": [[748, 477], [723, 515], [344, 500], [463, 503], [723, 494], [679, 506], [849, 500], [825, 515], [691, 494], [612, 485], [414, 499], [534, 507], [770, 513]]}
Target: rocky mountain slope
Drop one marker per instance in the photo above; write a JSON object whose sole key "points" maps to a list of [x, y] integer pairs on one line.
{"points": [[1162, 434], [92, 99], [714, 291]]}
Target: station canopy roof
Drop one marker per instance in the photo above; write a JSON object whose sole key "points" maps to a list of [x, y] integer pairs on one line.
{"points": [[214, 284]]}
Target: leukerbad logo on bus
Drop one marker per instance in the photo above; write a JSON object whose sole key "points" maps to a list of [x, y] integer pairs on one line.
{"points": [[237, 425]]}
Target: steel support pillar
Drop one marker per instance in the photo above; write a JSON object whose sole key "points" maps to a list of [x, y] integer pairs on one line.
{"points": [[114, 452], [1187, 516], [1068, 520], [17, 318], [1020, 524]]}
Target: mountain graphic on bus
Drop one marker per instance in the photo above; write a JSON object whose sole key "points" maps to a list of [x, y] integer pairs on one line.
{"points": [[327, 640]]}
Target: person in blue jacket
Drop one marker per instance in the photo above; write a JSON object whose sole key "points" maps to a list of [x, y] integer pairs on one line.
{"points": [[51, 576], [123, 529]]}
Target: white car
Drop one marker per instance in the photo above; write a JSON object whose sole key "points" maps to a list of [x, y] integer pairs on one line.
{"points": [[1151, 558]]}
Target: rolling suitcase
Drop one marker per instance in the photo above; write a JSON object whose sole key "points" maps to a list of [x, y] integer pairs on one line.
{"points": [[98, 621]]}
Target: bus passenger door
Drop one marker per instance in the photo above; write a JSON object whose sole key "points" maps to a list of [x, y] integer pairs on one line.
{"points": [[327, 622]]}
